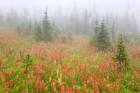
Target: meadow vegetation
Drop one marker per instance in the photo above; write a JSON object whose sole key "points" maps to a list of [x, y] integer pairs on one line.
{"points": [[27, 66]]}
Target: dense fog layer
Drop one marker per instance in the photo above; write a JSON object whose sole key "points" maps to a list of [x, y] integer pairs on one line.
{"points": [[102, 6], [74, 14]]}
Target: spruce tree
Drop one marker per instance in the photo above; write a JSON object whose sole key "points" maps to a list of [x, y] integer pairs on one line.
{"points": [[96, 27], [113, 32], [47, 35], [121, 57], [38, 33], [96, 30], [103, 40]]}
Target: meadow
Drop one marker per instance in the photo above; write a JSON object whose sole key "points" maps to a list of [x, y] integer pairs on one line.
{"points": [[27, 66]]}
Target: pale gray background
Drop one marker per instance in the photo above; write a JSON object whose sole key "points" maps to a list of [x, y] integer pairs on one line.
{"points": [[115, 7]]}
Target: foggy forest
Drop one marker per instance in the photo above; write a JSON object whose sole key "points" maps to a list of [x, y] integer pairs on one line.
{"points": [[69, 46]]}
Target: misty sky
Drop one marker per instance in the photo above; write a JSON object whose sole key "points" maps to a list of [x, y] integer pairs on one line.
{"points": [[118, 7]]}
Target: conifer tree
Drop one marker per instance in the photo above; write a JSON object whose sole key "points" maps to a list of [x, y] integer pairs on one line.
{"points": [[38, 33], [96, 30], [103, 40], [113, 32], [96, 27], [47, 35], [121, 55]]}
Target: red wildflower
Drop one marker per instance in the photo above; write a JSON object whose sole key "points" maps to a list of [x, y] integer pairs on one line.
{"points": [[97, 89], [71, 72], [39, 70], [101, 67], [55, 54], [78, 89], [82, 66], [11, 82], [6, 87], [64, 68], [62, 88], [100, 81], [40, 84], [68, 89]]}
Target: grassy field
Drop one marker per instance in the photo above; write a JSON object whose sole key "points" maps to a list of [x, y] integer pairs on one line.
{"points": [[30, 67]]}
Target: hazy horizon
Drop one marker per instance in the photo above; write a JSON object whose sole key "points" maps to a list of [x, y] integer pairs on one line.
{"points": [[102, 6], [60, 8]]}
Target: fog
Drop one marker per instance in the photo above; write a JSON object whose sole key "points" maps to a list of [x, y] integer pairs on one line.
{"points": [[106, 6], [69, 46], [60, 10]]}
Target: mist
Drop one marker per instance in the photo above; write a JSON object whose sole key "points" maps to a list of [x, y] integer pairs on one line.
{"points": [[107, 7], [69, 14], [69, 46]]}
